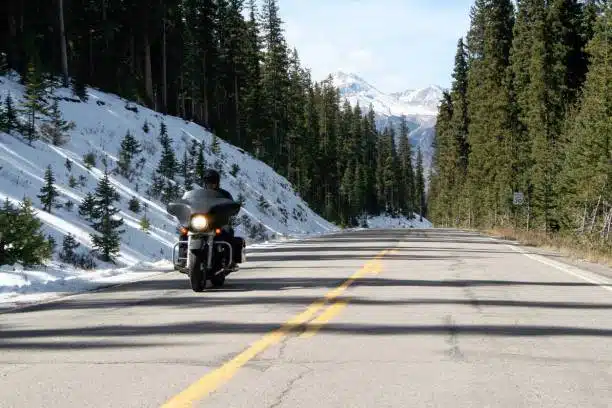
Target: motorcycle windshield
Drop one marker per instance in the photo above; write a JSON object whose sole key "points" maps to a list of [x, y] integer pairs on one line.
{"points": [[201, 201]]}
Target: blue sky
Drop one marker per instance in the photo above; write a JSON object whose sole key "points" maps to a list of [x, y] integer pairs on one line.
{"points": [[393, 44]]}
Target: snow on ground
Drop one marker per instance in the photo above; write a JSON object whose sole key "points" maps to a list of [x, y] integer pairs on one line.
{"points": [[101, 124], [385, 221]]}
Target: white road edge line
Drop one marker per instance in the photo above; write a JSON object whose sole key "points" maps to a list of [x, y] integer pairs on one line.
{"points": [[584, 275]]}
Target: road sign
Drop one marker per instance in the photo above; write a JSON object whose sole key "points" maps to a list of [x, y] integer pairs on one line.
{"points": [[518, 199]]}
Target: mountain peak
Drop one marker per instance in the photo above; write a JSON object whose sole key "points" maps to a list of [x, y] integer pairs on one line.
{"points": [[429, 96], [420, 102], [349, 82]]}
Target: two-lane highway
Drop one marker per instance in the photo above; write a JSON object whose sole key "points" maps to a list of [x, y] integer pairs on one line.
{"points": [[374, 318]]}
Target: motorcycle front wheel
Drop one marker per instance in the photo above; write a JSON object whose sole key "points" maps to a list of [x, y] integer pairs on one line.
{"points": [[196, 275]]}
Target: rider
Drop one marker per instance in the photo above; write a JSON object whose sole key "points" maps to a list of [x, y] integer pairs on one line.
{"points": [[211, 180]]}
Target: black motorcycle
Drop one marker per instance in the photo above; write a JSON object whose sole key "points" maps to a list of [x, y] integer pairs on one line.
{"points": [[209, 250]]}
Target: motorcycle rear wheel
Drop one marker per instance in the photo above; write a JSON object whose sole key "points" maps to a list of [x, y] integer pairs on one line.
{"points": [[196, 275]]}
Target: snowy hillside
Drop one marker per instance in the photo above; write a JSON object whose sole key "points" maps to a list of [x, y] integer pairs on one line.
{"points": [[101, 124]]}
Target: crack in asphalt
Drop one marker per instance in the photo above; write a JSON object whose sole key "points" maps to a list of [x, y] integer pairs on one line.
{"points": [[283, 395], [454, 352]]}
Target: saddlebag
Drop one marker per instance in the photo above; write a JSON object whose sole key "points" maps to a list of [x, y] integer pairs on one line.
{"points": [[239, 250]]}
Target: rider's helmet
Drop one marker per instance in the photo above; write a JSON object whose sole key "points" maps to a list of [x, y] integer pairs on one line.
{"points": [[211, 179]]}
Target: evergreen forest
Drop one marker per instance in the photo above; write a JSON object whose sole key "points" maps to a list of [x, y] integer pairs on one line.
{"points": [[524, 135], [225, 65]]}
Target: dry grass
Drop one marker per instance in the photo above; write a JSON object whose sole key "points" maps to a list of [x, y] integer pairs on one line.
{"points": [[577, 247]]}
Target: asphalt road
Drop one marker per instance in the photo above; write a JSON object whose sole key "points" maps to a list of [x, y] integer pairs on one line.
{"points": [[403, 318]]}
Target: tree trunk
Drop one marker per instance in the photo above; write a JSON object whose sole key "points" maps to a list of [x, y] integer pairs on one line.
{"points": [[205, 115], [237, 112], [147, 70], [132, 55], [13, 58], [164, 107], [63, 43]]}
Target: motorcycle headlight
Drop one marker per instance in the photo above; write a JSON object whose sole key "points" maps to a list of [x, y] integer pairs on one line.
{"points": [[199, 222]]}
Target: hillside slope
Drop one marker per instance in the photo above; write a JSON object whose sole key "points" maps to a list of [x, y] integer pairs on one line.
{"points": [[101, 124]]}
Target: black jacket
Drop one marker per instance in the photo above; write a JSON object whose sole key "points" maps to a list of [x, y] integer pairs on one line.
{"points": [[226, 193]]}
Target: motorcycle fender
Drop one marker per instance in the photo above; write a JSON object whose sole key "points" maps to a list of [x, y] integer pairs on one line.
{"points": [[196, 244]]}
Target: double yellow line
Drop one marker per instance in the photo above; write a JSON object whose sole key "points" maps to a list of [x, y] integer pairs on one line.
{"points": [[211, 381]]}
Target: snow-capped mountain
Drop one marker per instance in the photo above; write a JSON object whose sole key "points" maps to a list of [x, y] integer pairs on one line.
{"points": [[420, 107], [428, 97], [422, 102]]}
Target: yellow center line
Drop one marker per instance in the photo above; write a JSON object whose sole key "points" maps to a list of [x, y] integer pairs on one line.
{"points": [[328, 314], [214, 379], [374, 267]]}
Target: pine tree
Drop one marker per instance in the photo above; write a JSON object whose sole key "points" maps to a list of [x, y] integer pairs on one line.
{"points": [[134, 205], [105, 222], [130, 148], [275, 81], [55, 130], [3, 63], [215, 146], [406, 176], [388, 165], [79, 89], [166, 169], [460, 118], [35, 100], [145, 224], [48, 193], [69, 245], [21, 238], [443, 170], [9, 116], [489, 111], [253, 94], [87, 208], [346, 194], [421, 203], [186, 171], [200, 166]]}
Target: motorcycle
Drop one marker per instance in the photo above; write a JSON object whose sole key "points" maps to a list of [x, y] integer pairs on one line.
{"points": [[203, 216]]}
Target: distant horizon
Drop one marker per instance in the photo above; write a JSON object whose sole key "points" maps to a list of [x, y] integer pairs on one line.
{"points": [[394, 45]]}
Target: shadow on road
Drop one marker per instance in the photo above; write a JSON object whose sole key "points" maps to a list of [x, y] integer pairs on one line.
{"points": [[372, 249], [64, 337], [346, 256], [280, 283], [227, 301], [212, 298]]}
